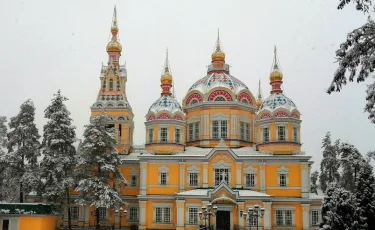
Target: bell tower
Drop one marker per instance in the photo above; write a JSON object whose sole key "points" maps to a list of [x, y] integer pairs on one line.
{"points": [[111, 99]]}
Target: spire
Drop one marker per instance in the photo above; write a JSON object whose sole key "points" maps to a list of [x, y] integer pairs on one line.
{"points": [[259, 96], [114, 47], [276, 75], [218, 55], [166, 78]]}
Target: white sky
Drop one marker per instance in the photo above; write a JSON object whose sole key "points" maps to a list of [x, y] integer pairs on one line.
{"points": [[51, 45]]}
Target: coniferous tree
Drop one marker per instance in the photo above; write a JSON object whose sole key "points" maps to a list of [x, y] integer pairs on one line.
{"points": [[3, 142], [338, 209], [364, 214], [351, 161], [98, 165], [23, 150], [314, 179], [330, 164], [59, 153]]}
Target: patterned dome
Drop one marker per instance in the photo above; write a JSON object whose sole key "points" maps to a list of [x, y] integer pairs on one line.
{"points": [[213, 80], [166, 103], [276, 101]]}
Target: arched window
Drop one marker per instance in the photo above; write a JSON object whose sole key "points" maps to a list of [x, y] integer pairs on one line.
{"points": [[244, 101], [220, 99], [104, 84], [111, 85]]}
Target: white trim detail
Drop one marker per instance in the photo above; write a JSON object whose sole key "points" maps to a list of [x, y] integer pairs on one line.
{"points": [[219, 117]]}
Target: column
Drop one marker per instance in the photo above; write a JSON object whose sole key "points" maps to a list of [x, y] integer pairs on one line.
{"points": [[143, 179], [238, 174], [205, 174], [262, 177], [86, 214], [182, 176], [306, 216], [142, 214], [305, 179], [267, 222], [241, 206], [180, 214]]}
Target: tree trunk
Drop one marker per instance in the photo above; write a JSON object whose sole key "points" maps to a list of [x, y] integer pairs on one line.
{"points": [[21, 185], [69, 214]]}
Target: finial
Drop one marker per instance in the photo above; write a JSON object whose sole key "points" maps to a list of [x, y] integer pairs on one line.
{"points": [[275, 65], [115, 16], [166, 64], [260, 97], [218, 48]]}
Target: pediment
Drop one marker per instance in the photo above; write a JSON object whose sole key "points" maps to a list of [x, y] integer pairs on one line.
{"points": [[223, 190]]}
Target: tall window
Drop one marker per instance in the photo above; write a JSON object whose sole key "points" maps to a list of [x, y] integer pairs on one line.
{"points": [[110, 84], [151, 135], [295, 134], [193, 215], [193, 179], [219, 130], [163, 134], [283, 182], [245, 131], [219, 173], [194, 131], [102, 213], [250, 180], [177, 135], [74, 212], [133, 182], [314, 218], [266, 134], [253, 221], [133, 213], [284, 218], [281, 133], [162, 215], [163, 178]]}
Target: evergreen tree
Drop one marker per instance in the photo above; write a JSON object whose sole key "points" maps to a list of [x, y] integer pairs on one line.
{"points": [[3, 141], [365, 195], [330, 164], [338, 208], [356, 58], [59, 153], [23, 150], [351, 161], [98, 163]]}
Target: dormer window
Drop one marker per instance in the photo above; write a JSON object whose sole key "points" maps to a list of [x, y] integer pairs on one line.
{"points": [[220, 99], [111, 85]]}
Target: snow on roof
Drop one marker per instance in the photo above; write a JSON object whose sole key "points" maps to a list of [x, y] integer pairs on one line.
{"points": [[251, 193], [320, 194], [204, 192]]}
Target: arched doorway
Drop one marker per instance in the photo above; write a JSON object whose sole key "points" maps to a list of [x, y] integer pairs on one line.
{"points": [[225, 213]]}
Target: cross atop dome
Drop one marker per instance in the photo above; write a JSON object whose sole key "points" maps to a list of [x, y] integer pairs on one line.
{"points": [[114, 47], [276, 75], [218, 55], [166, 78], [260, 96]]}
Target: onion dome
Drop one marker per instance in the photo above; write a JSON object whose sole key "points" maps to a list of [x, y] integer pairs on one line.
{"points": [[218, 75], [276, 101], [114, 45], [166, 102]]}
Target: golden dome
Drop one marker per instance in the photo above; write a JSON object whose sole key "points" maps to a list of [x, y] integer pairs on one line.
{"points": [[166, 78], [258, 103], [276, 76], [114, 45], [218, 56]]}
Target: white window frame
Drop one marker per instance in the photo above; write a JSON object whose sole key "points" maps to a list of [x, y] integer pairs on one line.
{"points": [[74, 210], [296, 134], [164, 214], [133, 173], [196, 130], [250, 170], [163, 170], [102, 214], [133, 181], [162, 129], [284, 211], [316, 210], [263, 134], [285, 172], [279, 137], [245, 134], [193, 131], [193, 169], [221, 134], [221, 165], [193, 217], [150, 135], [133, 210]]}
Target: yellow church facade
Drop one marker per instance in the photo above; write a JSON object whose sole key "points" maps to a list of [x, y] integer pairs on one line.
{"points": [[221, 147]]}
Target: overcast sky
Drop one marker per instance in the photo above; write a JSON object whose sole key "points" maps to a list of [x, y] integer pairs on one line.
{"points": [[51, 45]]}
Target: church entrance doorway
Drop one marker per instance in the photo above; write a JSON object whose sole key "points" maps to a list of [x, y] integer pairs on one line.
{"points": [[223, 220]]}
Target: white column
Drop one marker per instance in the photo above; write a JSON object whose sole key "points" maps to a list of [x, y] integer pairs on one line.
{"points": [[267, 215], [180, 214], [86, 214], [143, 182], [262, 177], [238, 174], [182, 176], [142, 214], [241, 206], [305, 179], [205, 174], [306, 216]]}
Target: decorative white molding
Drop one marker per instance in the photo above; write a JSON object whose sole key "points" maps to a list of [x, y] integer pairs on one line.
{"points": [[193, 169], [133, 172], [283, 169], [193, 119], [219, 117], [250, 169], [221, 165], [163, 169]]}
